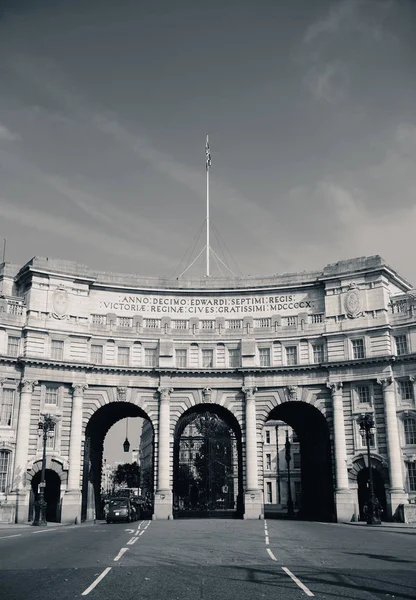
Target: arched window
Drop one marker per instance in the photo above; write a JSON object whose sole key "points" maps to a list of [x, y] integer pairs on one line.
{"points": [[409, 425], [4, 469]]}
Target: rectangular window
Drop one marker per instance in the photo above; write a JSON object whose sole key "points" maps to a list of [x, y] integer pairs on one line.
{"points": [[265, 322], [99, 319], [401, 345], [318, 353], [269, 492], [267, 436], [13, 345], [4, 469], [97, 354], [207, 324], [181, 359], [123, 353], [51, 395], [207, 359], [406, 390], [411, 473], [150, 357], [152, 323], [264, 356], [409, 425], [57, 350], [296, 460], [268, 462], [235, 324], [363, 392], [6, 407], [180, 324], [357, 348], [291, 355], [233, 358], [125, 321]]}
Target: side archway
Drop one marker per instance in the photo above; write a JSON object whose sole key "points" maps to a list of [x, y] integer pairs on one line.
{"points": [[97, 427], [316, 494]]}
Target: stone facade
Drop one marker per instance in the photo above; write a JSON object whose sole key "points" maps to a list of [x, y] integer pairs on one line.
{"points": [[314, 349]]}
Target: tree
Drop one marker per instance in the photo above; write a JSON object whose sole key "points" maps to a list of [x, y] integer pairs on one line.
{"points": [[127, 473]]}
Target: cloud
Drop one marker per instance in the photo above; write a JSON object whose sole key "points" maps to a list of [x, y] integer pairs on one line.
{"points": [[363, 16], [330, 45], [7, 135], [78, 233]]}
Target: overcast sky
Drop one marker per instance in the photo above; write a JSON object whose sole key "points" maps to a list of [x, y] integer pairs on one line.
{"points": [[310, 107]]}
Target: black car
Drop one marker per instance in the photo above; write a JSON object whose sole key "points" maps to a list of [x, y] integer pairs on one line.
{"points": [[120, 509]]}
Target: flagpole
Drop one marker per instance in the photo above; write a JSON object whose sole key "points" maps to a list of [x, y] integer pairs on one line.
{"points": [[208, 164]]}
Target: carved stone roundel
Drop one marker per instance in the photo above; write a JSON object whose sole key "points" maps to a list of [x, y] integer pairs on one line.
{"points": [[60, 302], [352, 302]]}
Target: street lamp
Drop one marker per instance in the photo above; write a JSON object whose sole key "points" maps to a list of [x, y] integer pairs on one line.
{"points": [[367, 429], [290, 511], [126, 443], [46, 429]]}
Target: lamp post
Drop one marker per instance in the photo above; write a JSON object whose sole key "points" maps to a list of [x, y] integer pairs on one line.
{"points": [[46, 429], [367, 429], [279, 496], [126, 443], [290, 511]]}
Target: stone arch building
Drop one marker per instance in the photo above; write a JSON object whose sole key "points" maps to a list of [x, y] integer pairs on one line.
{"points": [[313, 349]]}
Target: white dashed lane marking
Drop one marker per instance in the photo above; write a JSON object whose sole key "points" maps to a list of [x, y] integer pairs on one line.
{"points": [[96, 582]]}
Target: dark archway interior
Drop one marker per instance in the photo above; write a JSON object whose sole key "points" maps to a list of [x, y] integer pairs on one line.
{"points": [[229, 423], [52, 494], [311, 427], [363, 491], [98, 426]]}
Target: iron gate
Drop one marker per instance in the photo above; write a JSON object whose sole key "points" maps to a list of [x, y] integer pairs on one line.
{"points": [[206, 468]]}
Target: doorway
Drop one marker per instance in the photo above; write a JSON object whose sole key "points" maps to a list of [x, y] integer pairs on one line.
{"points": [[52, 494]]}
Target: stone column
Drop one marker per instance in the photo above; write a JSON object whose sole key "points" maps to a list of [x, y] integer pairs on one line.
{"points": [[163, 496], [253, 505], [343, 499], [394, 451], [71, 503], [21, 452]]}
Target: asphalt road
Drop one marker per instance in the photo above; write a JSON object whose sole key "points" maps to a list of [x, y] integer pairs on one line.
{"points": [[209, 560]]}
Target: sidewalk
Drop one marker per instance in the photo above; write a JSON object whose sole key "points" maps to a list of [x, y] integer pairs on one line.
{"points": [[383, 524]]}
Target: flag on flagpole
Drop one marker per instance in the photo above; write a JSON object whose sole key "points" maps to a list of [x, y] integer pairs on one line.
{"points": [[208, 155]]}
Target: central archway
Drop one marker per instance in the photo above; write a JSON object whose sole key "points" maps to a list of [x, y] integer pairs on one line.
{"points": [[98, 426], [207, 464], [316, 495]]}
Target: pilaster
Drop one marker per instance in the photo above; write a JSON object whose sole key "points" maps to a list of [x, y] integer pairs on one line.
{"points": [[71, 502], [163, 496], [253, 497], [343, 498]]}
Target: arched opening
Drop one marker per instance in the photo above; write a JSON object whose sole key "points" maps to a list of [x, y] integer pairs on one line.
{"points": [[310, 468], [363, 492], [207, 464], [98, 426], [52, 494]]}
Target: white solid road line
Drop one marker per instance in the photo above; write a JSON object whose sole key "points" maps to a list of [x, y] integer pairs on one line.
{"points": [[298, 582], [46, 530], [96, 582], [270, 553], [142, 532], [9, 536], [120, 554]]}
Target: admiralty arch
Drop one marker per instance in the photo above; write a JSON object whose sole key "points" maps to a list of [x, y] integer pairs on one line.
{"points": [[313, 350]]}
